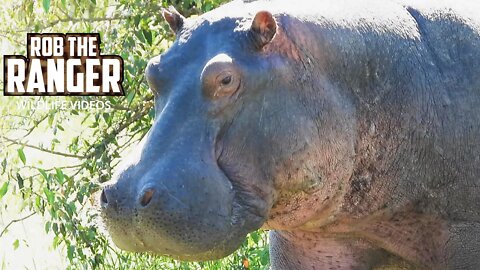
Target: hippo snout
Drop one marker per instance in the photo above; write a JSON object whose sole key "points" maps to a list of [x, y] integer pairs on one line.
{"points": [[184, 207]]}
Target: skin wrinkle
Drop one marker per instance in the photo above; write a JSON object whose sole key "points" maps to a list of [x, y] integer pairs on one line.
{"points": [[235, 177], [306, 71]]}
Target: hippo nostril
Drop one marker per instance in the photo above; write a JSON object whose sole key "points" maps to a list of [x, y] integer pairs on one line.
{"points": [[103, 198], [147, 197]]}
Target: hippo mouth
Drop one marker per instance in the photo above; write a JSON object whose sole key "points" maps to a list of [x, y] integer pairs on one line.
{"points": [[187, 245], [204, 225]]}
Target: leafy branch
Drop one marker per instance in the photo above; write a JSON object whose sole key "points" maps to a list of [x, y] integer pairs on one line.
{"points": [[12, 141]]}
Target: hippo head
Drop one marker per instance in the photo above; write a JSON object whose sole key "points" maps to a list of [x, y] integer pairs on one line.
{"points": [[231, 133]]}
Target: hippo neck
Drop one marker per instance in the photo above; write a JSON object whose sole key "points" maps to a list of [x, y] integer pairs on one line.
{"points": [[304, 250]]}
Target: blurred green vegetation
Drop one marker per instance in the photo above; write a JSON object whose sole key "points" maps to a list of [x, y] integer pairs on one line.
{"points": [[53, 161]]}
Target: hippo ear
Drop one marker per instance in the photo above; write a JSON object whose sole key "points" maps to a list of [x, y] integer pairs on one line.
{"points": [[263, 28], [174, 19]]}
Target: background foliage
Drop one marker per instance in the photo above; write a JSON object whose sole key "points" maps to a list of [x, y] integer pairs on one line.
{"points": [[53, 161]]}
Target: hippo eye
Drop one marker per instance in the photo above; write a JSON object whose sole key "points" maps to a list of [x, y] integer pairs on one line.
{"points": [[226, 80], [226, 84], [220, 77]]}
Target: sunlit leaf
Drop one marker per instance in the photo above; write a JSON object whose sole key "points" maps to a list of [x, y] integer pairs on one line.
{"points": [[130, 97], [50, 195], [43, 173], [4, 165], [29, 7], [51, 116], [16, 243], [38, 203], [70, 250], [48, 226], [3, 190], [46, 5], [60, 176], [21, 155], [148, 36]]}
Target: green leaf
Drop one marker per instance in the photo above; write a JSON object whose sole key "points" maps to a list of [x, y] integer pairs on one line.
{"points": [[62, 229], [140, 36], [21, 154], [136, 19], [4, 165], [198, 3], [151, 113], [70, 251], [208, 7], [38, 203], [30, 8], [264, 257], [46, 5], [254, 236], [48, 225], [70, 209], [80, 198], [50, 195], [3, 190], [130, 97], [60, 176], [51, 116], [20, 181], [43, 173], [148, 36], [56, 241], [15, 244]]}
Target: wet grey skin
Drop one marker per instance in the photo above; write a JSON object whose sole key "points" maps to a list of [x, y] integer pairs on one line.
{"points": [[350, 129]]}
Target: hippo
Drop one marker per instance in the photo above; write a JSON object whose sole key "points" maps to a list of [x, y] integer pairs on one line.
{"points": [[348, 129]]}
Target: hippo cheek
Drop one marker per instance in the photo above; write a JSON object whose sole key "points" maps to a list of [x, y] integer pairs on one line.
{"points": [[188, 217]]}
